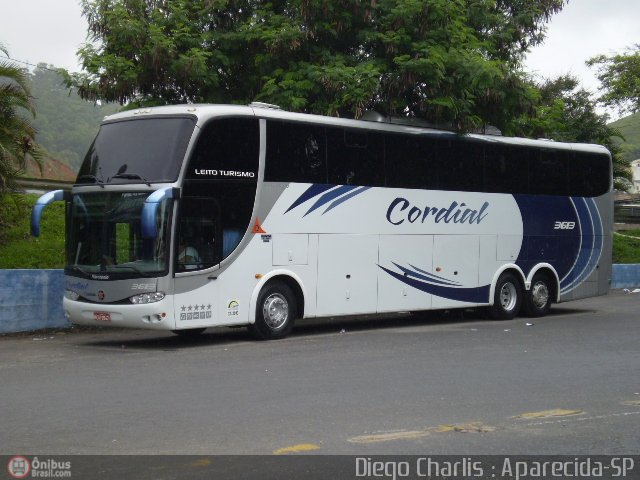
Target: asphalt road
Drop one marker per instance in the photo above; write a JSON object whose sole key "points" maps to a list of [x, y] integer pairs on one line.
{"points": [[568, 384]]}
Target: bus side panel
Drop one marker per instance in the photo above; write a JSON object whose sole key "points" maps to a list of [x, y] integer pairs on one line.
{"points": [[593, 267], [456, 258], [196, 305], [490, 258], [347, 274], [415, 251]]}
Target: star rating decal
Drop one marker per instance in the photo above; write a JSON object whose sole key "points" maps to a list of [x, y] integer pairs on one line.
{"points": [[195, 312]]}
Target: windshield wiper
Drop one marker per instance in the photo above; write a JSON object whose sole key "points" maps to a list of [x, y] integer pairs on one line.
{"points": [[91, 177], [76, 267], [135, 269], [130, 176]]}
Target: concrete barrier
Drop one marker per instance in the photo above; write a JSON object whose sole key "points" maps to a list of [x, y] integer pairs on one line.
{"points": [[32, 299], [625, 275]]}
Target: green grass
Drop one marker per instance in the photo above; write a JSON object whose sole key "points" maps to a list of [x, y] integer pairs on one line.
{"points": [[626, 249], [18, 249]]}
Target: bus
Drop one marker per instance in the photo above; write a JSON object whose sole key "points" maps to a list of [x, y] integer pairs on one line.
{"points": [[193, 216]]}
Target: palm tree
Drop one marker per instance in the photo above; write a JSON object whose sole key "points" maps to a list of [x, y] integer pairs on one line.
{"points": [[17, 135]]}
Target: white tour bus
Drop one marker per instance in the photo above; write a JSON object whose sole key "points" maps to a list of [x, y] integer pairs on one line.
{"points": [[195, 216]]}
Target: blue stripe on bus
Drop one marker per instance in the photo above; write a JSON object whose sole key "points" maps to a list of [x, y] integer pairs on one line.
{"points": [[427, 276], [330, 196], [575, 252], [345, 198], [541, 241], [461, 294], [333, 195], [313, 191], [591, 248]]}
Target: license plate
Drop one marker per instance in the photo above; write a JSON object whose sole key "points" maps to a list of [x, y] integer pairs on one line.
{"points": [[102, 316]]}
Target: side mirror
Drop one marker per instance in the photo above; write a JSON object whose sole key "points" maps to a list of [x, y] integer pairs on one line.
{"points": [[150, 209], [41, 203]]}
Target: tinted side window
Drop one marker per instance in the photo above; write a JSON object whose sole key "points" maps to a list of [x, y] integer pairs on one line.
{"points": [[548, 175], [461, 166], [410, 161], [506, 169], [355, 157], [296, 152], [227, 148], [589, 174]]}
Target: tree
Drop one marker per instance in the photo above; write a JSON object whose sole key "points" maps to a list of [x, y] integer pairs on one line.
{"points": [[455, 61], [567, 113], [620, 78], [16, 132]]}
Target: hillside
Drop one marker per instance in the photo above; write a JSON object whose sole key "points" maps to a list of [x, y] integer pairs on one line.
{"points": [[66, 124], [630, 128], [52, 169]]}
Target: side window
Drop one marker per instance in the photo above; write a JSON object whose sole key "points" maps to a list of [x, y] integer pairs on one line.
{"points": [[460, 166], [219, 193], [227, 148], [296, 152], [589, 174], [355, 157], [549, 174], [506, 169], [410, 161]]}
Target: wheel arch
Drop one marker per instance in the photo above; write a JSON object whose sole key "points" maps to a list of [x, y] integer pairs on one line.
{"points": [[287, 277], [547, 269], [507, 268]]}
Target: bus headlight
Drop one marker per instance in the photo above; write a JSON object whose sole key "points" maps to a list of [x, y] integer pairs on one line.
{"points": [[71, 295], [147, 298]]}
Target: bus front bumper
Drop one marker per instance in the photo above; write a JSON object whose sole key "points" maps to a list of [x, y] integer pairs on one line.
{"points": [[156, 316]]}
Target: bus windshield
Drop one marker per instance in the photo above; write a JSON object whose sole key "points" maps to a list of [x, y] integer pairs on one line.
{"points": [[134, 151], [105, 236]]}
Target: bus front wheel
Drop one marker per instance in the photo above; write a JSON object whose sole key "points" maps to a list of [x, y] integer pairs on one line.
{"points": [[507, 298], [275, 312], [538, 298]]}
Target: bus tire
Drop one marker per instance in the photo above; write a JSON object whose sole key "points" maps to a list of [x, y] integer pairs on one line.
{"points": [[538, 299], [189, 332], [276, 311], [507, 298]]}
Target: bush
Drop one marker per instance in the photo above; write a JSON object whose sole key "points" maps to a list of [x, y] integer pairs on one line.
{"points": [[18, 249]]}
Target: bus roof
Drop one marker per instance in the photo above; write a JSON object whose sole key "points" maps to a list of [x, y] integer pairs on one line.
{"points": [[204, 112]]}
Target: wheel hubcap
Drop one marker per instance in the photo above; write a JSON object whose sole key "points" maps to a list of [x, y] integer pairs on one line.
{"points": [[508, 296], [540, 294], [275, 310]]}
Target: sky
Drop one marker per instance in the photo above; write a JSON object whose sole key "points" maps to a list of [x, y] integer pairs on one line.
{"points": [[52, 30]]}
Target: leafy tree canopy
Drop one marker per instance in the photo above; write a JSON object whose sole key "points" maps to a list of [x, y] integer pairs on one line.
{"points": [[455, 61], [620, 78]]}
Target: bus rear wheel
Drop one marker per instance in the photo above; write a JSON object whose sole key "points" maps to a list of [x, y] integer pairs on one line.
{"points": [[276, 311], [538, 299], [507, 298]]}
